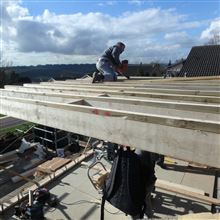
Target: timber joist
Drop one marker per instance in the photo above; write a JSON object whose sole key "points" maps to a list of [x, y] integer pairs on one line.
{"points": [[73, 89], [134, 88], [174, 108], [159, 88], [179, 122]]}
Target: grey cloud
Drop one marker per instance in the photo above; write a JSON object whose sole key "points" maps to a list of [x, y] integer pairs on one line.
{"points": [[78, 35], [34, 36], [90, 37], [39, 37]]}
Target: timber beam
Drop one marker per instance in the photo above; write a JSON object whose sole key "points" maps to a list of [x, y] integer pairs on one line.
{"points": [[138, 80], [140, 89], [161, 107], [182, 138], [41, 88]]}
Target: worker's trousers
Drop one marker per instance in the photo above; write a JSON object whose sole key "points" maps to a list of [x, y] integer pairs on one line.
{"points": [[105, 67]]}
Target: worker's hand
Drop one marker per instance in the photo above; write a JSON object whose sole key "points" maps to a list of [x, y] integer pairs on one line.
{"points": [[122, 68]]}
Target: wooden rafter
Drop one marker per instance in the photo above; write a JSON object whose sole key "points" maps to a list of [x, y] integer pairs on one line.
{"points": [[186, 139]]}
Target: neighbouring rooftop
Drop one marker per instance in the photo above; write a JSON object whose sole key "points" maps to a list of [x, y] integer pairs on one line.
{"points": [[202, 61]]}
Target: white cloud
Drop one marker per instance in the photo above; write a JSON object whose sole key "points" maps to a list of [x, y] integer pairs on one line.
{"points": [[80, 38], [213, 29], [175, 35], [182, 38], [16, 11]]}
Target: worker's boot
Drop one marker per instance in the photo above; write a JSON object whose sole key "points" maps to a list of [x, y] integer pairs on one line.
{"points": [[97, 77]]}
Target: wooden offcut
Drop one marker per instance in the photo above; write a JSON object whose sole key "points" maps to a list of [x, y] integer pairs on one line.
{"points": [[53, 165]]}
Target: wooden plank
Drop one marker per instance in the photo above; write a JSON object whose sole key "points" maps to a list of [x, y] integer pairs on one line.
{"points": [[133, 83], [200, 216], [147, 80], [194, 78], [42, 96], [163, 88], [197, 98], [187, 123], [178, 187], [44, 167], [174, 108], [139, 79], [184, 191], [139, 89], [207, 85], [158, 89], [53, 165], [179, 138]]}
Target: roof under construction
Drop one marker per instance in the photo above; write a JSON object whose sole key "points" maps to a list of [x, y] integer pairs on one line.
{"points": [[176, 117]]}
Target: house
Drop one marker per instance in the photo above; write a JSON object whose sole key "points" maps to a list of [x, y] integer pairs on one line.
{"points": [[202, 61], [174, 69]]}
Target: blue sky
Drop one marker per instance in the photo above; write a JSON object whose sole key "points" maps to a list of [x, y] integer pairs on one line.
{"points": [[48, 32]]}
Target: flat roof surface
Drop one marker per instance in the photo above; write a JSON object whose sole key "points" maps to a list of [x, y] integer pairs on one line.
{"points": [[78, 199]]}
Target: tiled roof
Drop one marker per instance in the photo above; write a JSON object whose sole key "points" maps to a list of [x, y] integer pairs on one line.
{"points": [[202, 61]]}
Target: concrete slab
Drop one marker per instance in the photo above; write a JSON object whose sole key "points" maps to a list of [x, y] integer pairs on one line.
{"points": [[79, 199]]}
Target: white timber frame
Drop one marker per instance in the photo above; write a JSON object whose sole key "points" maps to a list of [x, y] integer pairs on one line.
{"points": [[176, 121], [63, 89], [186, 139], [163, 107]]}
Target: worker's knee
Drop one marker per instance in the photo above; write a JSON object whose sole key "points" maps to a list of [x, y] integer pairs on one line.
{"points": [[109, 77]]}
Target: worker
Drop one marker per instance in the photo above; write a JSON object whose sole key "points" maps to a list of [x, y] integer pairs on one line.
{"points": [[108, 63]]}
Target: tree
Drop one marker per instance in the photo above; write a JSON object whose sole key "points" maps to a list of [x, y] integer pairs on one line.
{"points": [[169, 64], [215, 39], [9, 76], [140, 70], [179, 60]]}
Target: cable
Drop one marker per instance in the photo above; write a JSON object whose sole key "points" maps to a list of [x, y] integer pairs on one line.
{"points": [[113, 213], [80, 202], [87, 201], [51, 209]]}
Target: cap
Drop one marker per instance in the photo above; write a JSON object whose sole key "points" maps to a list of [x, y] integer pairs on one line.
{"points": [[121, 44]]}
